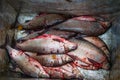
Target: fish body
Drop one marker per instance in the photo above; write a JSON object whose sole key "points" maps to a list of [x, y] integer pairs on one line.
{"points": [[43, 21], [67, 71], [89, 54], [51, 60], [47, 44], [99, 43], [84, 26], [28, 65], [84, 65], [63, 34]]}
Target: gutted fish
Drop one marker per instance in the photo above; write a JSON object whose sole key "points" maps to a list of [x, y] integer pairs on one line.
{"points": [[89, 54], [27, 64], [47, 44], [84, 26], [84, 65]]}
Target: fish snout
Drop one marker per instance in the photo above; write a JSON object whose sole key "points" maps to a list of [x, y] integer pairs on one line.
{"points": [[71, 46]]}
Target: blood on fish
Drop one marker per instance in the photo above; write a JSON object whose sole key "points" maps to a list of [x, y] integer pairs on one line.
{"points": [[58, 40], [104, 24], [20, 52], [37, 66], [96, 64]]}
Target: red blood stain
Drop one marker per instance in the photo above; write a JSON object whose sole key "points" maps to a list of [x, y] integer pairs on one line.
{"points": [[73, 65], [20, 52], [76, 62], [37, 66], [31, 59], [58, 40], [104, 24], [84, 59], [95, 64], [44, 36], [52, 71]]}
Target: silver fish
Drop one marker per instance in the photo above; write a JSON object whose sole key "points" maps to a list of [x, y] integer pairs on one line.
{"points": [[89, 54], [63, 34], [99, 43], [66, 71], [43, 21], [84, 26], [47, 44], [51, 60], [27, 64]]}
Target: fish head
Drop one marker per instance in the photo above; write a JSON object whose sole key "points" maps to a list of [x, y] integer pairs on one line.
{"points": [[70, 46]]}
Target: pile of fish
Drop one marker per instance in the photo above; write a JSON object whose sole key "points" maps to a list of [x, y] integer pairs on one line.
{"points": [[54, 46]]}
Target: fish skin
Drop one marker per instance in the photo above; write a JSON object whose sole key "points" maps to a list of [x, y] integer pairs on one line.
{"points": [[27, 64], [99, 43], [63, 34], [67, 71], [23, 36], [41, 22], [51, 60], [84, 65], [84, 27], [47, 44], [89, 54]]}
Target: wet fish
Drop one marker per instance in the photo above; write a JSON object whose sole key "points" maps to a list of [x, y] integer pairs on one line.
{"points": [[47, 44], [51, 60], [84, 27], [4, 60], [99, 43], [43, 21], [89, 54], [23, 35], [27, 64], [66, 71], [63, 34]]}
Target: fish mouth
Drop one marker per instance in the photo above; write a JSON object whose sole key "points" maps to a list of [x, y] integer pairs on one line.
{"points": [[74, 47]]}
